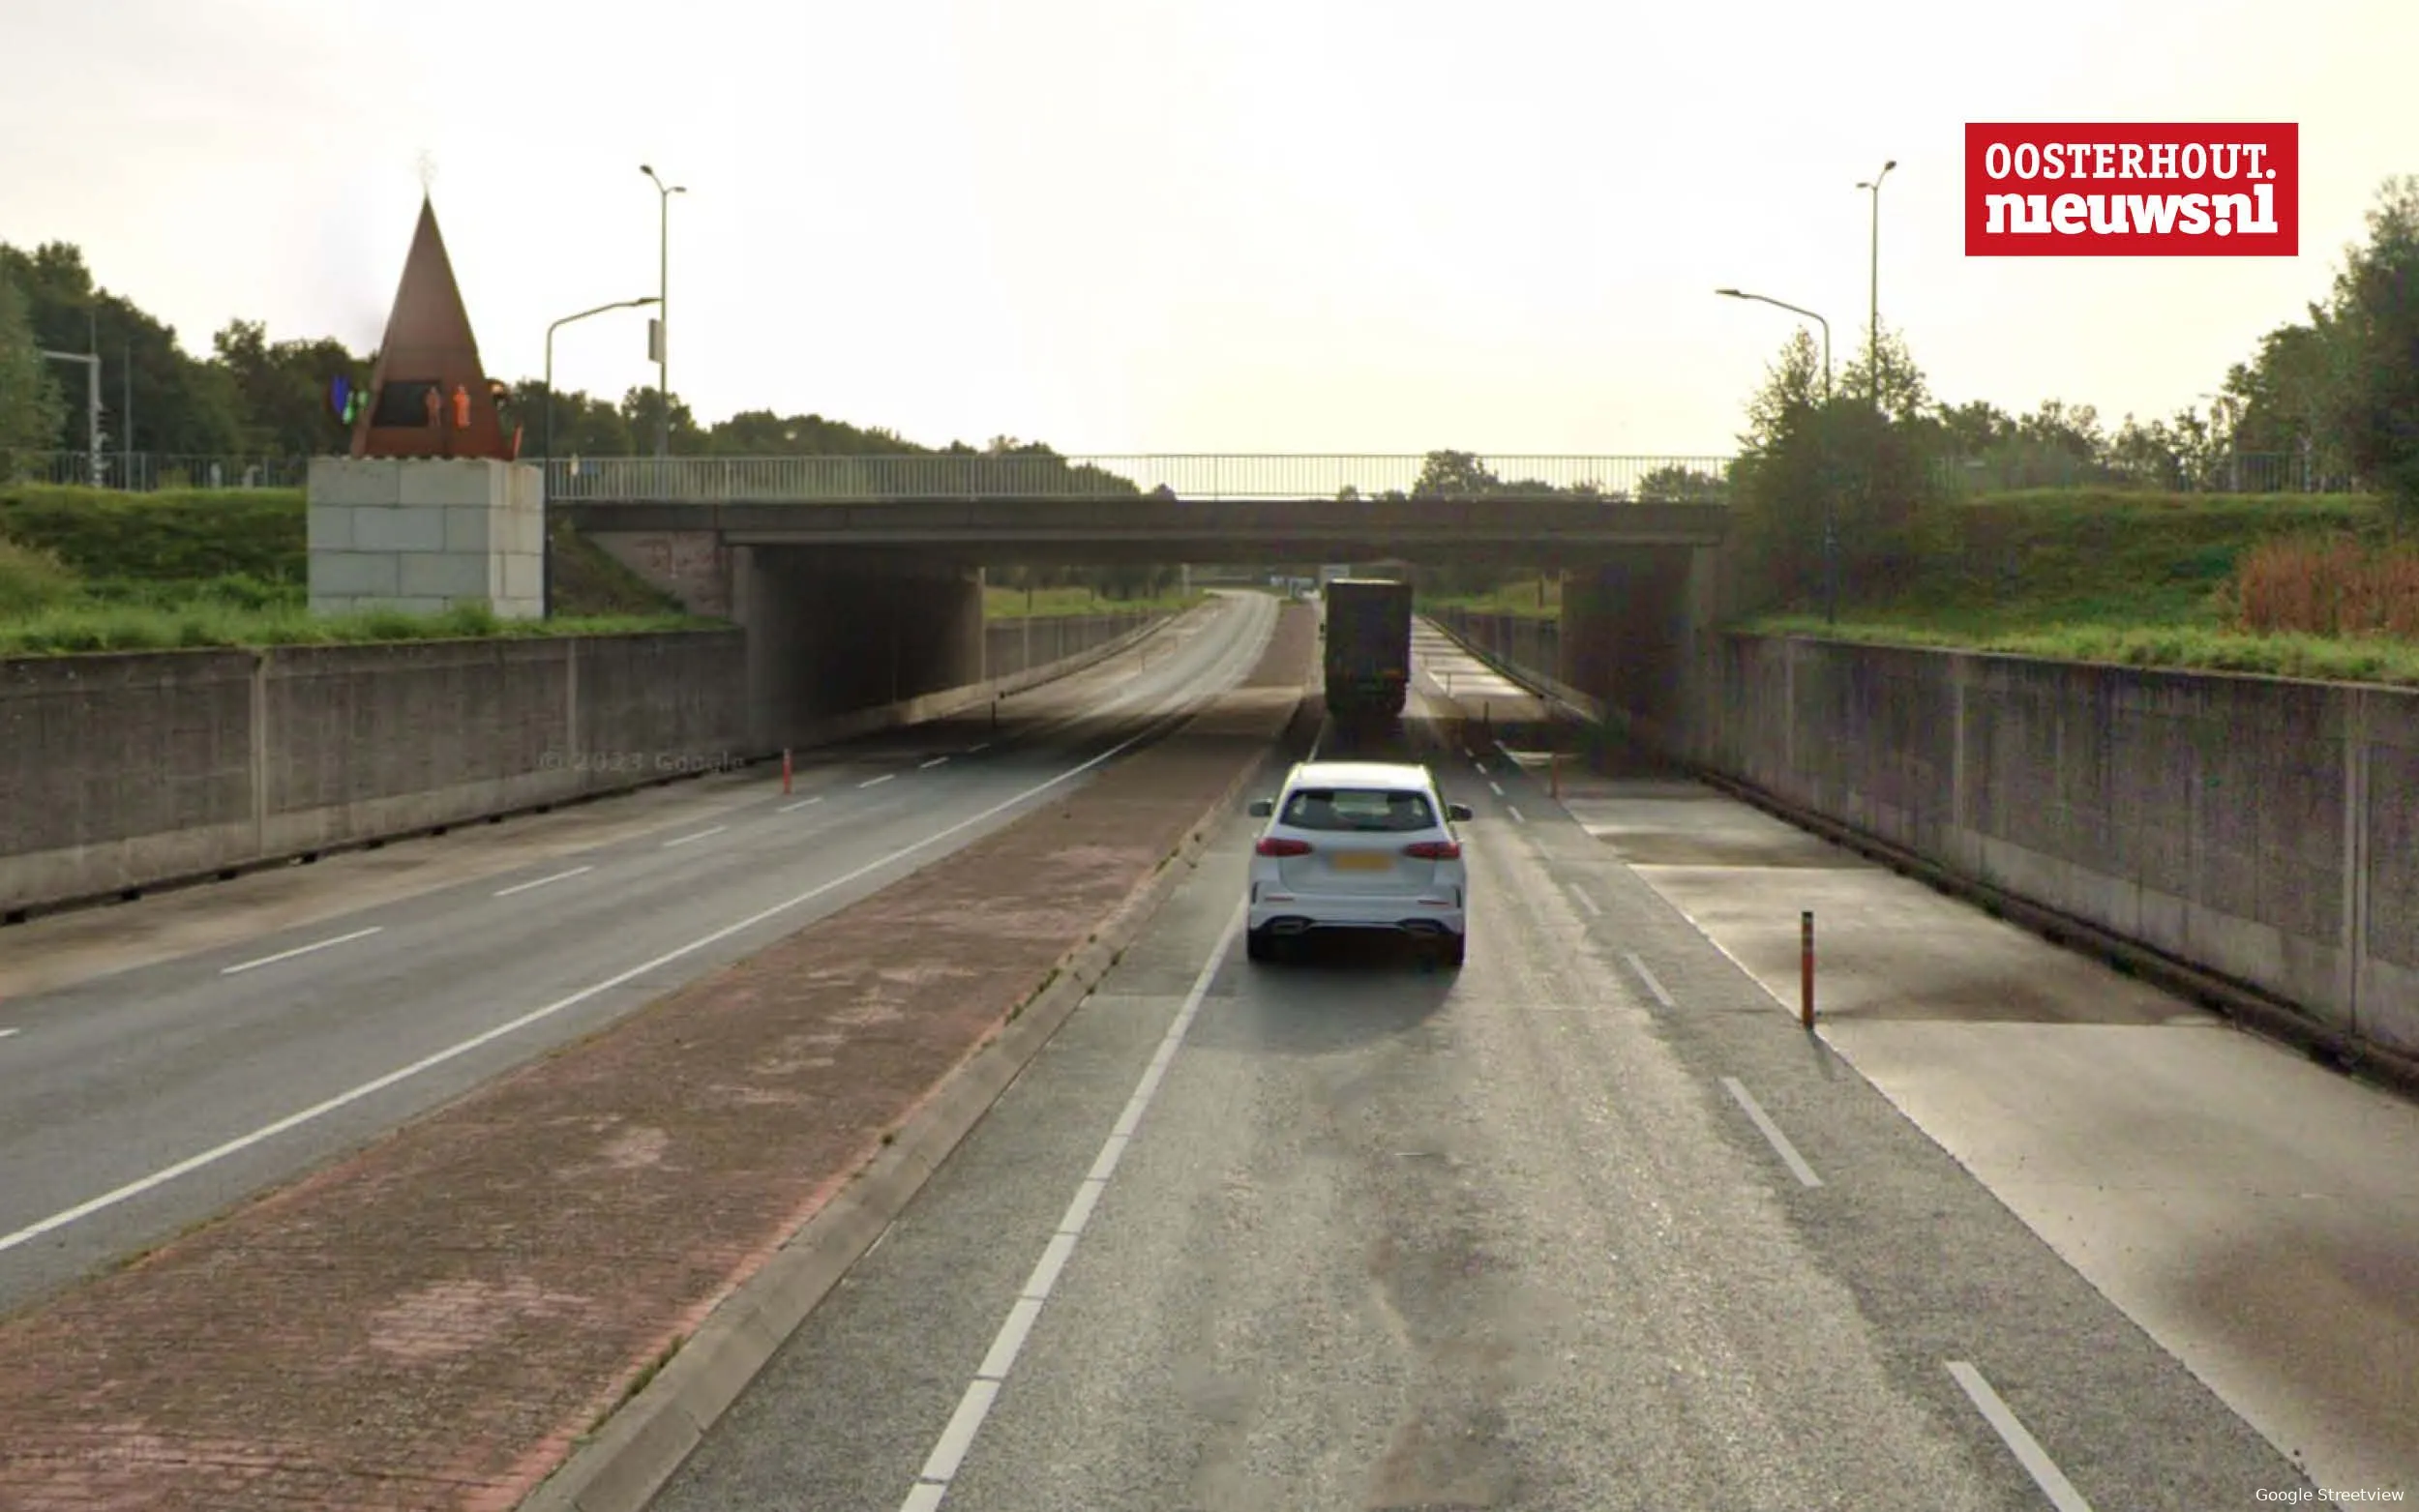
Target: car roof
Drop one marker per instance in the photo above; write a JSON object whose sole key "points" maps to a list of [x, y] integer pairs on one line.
{"points": [[1405, 775]]}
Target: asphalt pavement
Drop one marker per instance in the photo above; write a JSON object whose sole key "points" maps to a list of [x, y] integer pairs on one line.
{"points": [[137, 1101], [1586, 1224]]}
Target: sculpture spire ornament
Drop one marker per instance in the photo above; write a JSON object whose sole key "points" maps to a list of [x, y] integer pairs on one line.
{"points": [[428, 396]]}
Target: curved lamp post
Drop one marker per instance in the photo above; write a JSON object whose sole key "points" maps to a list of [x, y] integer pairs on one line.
{"points": [[1872, 335], [1831, 514], [546, 495]]}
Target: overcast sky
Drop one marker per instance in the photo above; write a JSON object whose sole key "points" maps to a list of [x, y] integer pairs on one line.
{"points": [[1130, 225]]}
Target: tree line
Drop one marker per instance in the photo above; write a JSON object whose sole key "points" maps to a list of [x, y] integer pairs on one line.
{"points": [[2335, 397], [258, 399]]}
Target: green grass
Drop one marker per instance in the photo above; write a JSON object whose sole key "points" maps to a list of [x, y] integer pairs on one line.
{"points": [[1520, 600], [2179, 646], [2091, 574], [2106, 575], [85, 570], [87, 626], [1056, 602], [174, 535]]}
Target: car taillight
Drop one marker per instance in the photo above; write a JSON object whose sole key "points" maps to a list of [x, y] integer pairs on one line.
{"points": [[1434, 850], [1275, 846]]}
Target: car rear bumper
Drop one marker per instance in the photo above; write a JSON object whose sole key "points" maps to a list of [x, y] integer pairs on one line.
{"points": [[1403, 916]]}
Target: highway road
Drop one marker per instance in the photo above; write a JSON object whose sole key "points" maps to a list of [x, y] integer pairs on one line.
{"points": [[160, 1060], [1587, 1225]]}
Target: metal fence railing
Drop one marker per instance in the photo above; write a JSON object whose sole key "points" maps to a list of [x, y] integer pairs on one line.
{"points": [[149, 472], [2234, 472], [718, 480], [1200, 476]]}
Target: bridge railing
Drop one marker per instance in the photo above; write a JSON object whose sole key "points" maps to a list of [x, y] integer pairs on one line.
{"points": [[719, 480], [147, 472]]}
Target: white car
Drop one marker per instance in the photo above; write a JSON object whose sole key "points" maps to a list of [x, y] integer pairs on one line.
{"points": [[1359, 845]]}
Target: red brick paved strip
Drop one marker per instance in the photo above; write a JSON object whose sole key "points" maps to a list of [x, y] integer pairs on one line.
{"points": [[433, 1322]]}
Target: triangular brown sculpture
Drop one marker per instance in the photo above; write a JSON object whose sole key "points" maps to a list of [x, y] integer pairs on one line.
{"points": [[429, 397]]}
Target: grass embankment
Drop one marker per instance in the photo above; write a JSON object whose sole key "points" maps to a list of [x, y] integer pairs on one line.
{"points": [[2292, 586], [1061, 603], [2298, 586], [94, 570]]}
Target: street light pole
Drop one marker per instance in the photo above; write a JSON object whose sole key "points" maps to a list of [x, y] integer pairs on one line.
{"points": [[546, 495], [1822, 437], [1764, 299], [663, 313], [1873, 336]]}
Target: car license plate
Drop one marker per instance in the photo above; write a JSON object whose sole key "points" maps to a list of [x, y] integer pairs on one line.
{"points": [[1365, 861]]}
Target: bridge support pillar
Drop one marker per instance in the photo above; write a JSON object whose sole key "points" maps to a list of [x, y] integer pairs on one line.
{"points": [[1635, 630]]}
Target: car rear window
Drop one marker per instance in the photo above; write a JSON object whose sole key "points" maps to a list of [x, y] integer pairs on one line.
{"points": [[1376, 809]]}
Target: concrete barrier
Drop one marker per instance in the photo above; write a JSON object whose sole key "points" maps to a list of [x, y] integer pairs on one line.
{"points": [[126, 771], [2256, 829]]}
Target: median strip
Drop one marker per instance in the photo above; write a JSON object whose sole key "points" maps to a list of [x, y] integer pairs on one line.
{"points": [[441, 1319]]}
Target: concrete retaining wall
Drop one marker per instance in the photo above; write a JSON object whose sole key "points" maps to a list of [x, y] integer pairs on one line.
{"points": [[2258, 828], [124, 771]]}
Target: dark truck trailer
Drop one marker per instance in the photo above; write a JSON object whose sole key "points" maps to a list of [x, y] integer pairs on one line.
{"points": [[1368, 646]]}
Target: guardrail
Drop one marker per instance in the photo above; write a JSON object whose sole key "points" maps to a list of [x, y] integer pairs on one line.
{"points": [[150, 472], [719, 480]]}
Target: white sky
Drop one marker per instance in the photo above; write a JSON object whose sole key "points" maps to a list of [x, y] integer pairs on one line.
{"points": [[1242, 225]]}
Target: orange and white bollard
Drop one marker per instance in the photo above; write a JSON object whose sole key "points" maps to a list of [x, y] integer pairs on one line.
{"points": [[1805, 968], [785, 769]]}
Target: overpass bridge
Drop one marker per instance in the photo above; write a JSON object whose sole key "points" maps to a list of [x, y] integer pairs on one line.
{"points": [[990, 507], [835, 563]]}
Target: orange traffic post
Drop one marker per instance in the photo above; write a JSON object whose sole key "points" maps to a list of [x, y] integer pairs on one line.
{"points": [[1805, 968], [785, 769]]}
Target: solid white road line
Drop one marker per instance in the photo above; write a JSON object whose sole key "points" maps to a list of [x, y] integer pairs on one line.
{"points": [[1779, 1141], [791, 808], [300, 950], [1648, 977], [941, 1467], [875, 782], [699, 835], [455, 1052], [2027, 1449], [522, 888], [935, 761]]}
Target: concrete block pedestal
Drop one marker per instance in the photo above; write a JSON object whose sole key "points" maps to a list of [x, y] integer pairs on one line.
{"points": [[421, 535]]}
